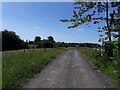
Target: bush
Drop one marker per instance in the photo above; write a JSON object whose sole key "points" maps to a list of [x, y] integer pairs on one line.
{"points": [[39, 45], [47, 44]]}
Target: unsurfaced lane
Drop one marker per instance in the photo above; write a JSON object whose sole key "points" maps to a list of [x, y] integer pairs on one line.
{"points": [[68, 71]]}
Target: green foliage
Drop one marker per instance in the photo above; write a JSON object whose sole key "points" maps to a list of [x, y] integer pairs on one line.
{"points": [[51, 39], [85, 12], [18, 66], [91, 12], [37, 39], [47, 44], [90, 45], [39, 45], [11, 41]]}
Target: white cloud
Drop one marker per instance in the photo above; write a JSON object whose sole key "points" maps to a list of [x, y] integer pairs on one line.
{"points": [[80, 29], [37, 27]]}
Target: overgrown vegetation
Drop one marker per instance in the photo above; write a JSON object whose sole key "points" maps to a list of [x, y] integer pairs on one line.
{"points": [[18, 66], [110, 68]]}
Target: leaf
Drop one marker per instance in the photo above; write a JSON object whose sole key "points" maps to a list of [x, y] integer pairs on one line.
{"points": [[94, 12], [98, 27], [95, 22], [99, 30], [106, 37], [101, 40], [101, 35], [64, 20]]}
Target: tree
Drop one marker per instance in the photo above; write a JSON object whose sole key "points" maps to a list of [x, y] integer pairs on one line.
{"points": [[39, 45], [61, 44], [31, 42], [85, 12], [37, 39], [47, 44], [116, 25], [11, 41], [51, 39]]}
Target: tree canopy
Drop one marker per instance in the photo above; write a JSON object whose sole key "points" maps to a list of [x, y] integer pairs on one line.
{"points": [[51, 39], [11, 41], [37, 39], [96, 12]]}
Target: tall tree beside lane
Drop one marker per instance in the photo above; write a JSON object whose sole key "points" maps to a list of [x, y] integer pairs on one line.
{"points": [[96, 12]]}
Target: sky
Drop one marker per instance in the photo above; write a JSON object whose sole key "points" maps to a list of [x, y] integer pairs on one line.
{"points": [[30, 19]]}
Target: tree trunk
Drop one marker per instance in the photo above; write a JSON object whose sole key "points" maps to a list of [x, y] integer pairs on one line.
{"points": [[107, 21], [119, 32], [119, 44], [108, 46]]}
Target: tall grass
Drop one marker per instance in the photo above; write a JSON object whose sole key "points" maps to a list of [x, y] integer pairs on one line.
{"points": [[18, 66], [110, 68]]}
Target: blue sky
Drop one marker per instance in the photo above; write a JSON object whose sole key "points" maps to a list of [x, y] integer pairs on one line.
{"points": [[32, 19]]}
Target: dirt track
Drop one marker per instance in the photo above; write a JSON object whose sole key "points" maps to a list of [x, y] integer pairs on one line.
{"points": [[68, 71]]}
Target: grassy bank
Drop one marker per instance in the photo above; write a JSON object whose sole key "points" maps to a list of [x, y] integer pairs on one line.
{"points": [[18, 66], [110, 68]]}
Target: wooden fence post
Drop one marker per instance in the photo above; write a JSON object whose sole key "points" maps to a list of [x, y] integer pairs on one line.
{"points": [[24, 50]]}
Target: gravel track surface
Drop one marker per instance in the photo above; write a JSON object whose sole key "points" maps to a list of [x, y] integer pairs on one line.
{"points": [[69, 70]]}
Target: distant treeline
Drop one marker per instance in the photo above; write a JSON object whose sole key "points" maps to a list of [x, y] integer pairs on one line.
{"points": [[11, 41], [91, 45]]}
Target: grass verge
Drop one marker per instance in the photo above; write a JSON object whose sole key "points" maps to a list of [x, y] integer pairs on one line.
{"points": [[109, 68], [18, 66]]}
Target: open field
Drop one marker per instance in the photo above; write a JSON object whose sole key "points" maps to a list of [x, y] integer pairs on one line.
{"points": [[18, 66], [109, 68]]}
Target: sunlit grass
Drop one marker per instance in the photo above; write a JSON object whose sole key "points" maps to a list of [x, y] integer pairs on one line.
{"points": [[18, 66], [107, 67]]}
